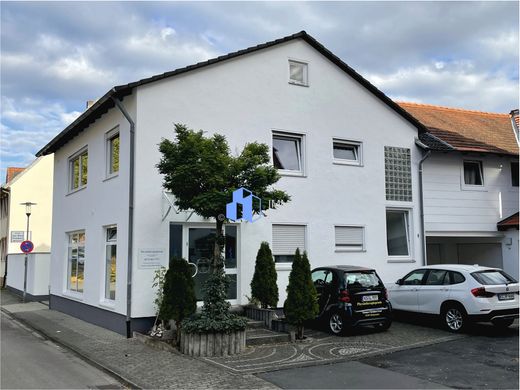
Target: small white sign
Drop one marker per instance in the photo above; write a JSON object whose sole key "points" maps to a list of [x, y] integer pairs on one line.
{"points": [[17, 236], [151, 258]]}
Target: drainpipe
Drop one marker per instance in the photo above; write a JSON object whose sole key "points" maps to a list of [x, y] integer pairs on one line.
{"points": [[421, 195], [130, 215]]}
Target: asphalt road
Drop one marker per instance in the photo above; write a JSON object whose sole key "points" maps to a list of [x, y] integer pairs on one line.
{"points": [[28, 361], [486, 359]]}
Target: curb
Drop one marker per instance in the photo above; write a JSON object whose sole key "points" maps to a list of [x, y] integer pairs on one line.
{"points": [[71, 348]]}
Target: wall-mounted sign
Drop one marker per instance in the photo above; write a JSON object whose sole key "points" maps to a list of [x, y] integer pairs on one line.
{"points": [[17, 236], [151, 258]]}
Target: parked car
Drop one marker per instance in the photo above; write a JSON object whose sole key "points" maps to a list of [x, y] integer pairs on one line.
{"points": [[459, 294], [351, 296]]}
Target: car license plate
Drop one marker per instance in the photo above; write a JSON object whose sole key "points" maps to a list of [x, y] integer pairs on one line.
{"points": [[369, 298], [506, 297]]}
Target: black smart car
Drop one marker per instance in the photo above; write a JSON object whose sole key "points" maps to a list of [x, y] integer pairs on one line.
{"points": [[350, 296]]}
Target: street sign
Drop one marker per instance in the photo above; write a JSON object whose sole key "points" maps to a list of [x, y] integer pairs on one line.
{"points": [[27, 246]]}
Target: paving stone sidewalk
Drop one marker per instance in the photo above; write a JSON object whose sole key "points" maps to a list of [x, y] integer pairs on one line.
{"points": [[134, 362]]}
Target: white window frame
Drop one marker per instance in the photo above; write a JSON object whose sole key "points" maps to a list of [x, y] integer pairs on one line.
{"points": [[287, 266], [104, 299], [300, 137], [305, 66], [109, 136], [353, 248], [473, 187], [67, 290], [409, 236], [70, 170], [358, 146]]}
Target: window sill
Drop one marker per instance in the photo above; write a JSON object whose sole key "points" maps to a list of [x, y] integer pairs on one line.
{"points": [[466, 187], [291, 173], [110, 177], [76, 190], [340, 250], [346, 162], [107, 304], [398, 259], [298, 84]]}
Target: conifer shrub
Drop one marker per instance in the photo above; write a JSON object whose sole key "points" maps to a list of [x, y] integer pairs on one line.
{"points": [[263, 285]]}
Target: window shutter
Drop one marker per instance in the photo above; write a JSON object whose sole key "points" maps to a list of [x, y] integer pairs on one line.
{"points": [[286, 238], [348, 236]]}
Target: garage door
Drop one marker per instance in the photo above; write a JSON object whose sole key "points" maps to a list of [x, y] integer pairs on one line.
{"points": [[487, 255]]}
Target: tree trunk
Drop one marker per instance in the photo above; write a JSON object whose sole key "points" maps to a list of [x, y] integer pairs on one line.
{"points": [[299, 332], [178, 333], [218, 264]]}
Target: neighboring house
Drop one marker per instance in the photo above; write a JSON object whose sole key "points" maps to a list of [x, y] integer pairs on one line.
{"points": [[346, 153], [32, 184], [470, 186]]}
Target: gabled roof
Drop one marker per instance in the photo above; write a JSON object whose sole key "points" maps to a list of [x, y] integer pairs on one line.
{"points": [[508, 223], [105, 103], [454, 129], [12, 172]]}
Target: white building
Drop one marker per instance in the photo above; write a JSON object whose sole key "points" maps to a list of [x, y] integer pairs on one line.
{"points": [[350, 159], [470, 186], [32, 184]]}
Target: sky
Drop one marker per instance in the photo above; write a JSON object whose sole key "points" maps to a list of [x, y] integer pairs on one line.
{"points": [[56, 56]]}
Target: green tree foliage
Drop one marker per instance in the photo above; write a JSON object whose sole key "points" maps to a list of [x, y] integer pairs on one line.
{"points": [[202, 174], [263, 285], [178, 301], [302, 302]]}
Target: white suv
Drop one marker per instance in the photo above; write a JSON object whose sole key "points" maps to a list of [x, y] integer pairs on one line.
{"points": [[458, 293]]}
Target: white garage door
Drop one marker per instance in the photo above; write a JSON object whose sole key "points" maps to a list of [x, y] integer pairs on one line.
{"points": [[487, 255]]}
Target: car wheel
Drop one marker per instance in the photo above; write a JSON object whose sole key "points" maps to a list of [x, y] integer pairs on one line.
{"points": [[454, 318], [502, 324], [337, 323]]}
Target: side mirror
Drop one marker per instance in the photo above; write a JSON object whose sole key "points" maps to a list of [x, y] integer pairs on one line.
{"points": [[399, 282]]}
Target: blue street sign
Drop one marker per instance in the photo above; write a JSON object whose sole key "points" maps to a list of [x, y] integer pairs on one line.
{"points": [[27, 246]]}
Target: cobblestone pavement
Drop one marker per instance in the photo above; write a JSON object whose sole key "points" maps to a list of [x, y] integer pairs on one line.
{"points": [[132, 361], [323, 348]]}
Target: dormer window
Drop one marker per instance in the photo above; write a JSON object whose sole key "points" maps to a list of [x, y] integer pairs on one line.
{"points": [[298, 73]]}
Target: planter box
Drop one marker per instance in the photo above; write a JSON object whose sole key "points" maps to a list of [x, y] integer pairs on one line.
{"points": [[213, 344], [264, 315]]}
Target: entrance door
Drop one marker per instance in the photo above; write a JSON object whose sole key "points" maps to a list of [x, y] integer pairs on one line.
{"points": [[200, 251]]}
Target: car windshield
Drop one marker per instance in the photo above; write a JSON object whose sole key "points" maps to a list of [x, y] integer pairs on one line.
{"points": [[493, 277], [362, 279]]}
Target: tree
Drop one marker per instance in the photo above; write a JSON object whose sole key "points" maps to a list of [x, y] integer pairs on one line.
{"points": [[201, 174], [263, 285], [302, 302], [179, 299]]}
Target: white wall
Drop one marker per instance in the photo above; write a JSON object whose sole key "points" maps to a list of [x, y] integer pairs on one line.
{"points": [[246, 99], [38, 269], [102, 202], [510, 252], [449, 207]]}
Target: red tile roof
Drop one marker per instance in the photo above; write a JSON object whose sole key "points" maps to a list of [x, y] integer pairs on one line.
{"points": [[12, 172], [509, 222], [467, 130]]}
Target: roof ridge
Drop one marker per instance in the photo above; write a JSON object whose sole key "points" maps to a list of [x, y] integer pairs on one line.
{"points": [[452, 109]]}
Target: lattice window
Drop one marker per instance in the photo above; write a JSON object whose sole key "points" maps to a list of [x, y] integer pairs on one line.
{"points": [[398, 174]]}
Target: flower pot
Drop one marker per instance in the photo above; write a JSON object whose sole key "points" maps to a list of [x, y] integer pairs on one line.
{"points": [[213, 344]]}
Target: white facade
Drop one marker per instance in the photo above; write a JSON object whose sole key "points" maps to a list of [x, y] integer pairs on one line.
{"points": [[246, 99], [461, 220], [34, 185]]}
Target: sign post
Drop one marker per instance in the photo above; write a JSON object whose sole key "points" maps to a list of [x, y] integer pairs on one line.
{"points": [[26, 247]]}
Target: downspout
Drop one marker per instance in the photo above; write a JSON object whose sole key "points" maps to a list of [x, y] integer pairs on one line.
{"points": [[130, 215], [421, 195]]}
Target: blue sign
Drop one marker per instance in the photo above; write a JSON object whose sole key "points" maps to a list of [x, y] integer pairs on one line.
{"points": [[244, 198], [27, 246]]}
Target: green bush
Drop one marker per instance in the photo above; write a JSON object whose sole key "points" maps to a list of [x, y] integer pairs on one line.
{"points": [[215, 315], [179, 299], [302, 302], [263, 285]]}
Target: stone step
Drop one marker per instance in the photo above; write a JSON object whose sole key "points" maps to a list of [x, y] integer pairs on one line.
{"points": [[253, 324], [265, 336]]}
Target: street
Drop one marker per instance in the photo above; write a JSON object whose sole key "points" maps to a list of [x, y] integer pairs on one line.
{"points": [[29, 361]]}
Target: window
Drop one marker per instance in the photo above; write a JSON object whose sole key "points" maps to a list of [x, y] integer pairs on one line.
{"points": [[76, 261], [397, 233], [110, 262], [398, 174], [437, 277], [286, 238], [321, 278], [78, 169], [362, 279], [346, 152], [414, 278], [492, 277], [298, 73], [287, 152], [456, 277], [514, 174], [349, 238], [112, 152], [473, 173]]}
